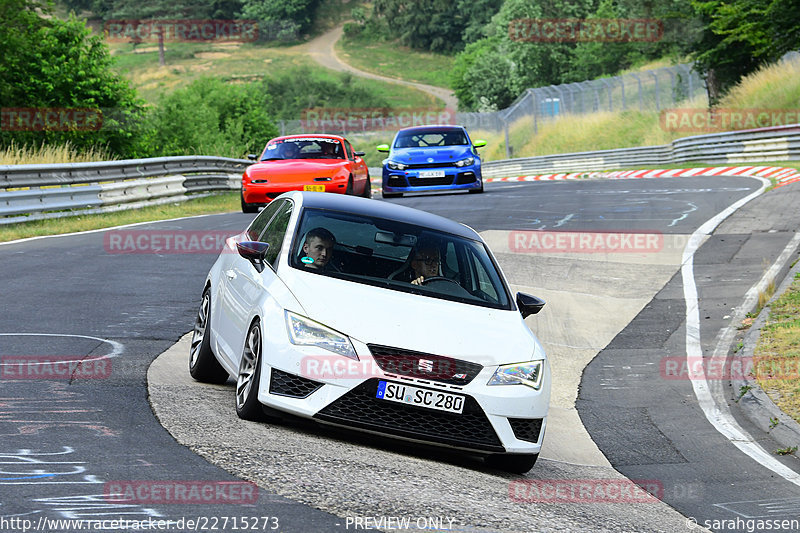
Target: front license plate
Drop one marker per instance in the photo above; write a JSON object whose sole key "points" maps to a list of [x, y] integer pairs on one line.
{"points": [[431, 173], [315, 188], [441, 401]]}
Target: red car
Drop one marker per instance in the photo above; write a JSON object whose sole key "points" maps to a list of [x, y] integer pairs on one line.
{"points": [[307, 162]]}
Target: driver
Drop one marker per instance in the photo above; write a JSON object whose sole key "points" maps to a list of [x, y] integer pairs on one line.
{"points": [[330, 150], [289, 150], [425, 263]]}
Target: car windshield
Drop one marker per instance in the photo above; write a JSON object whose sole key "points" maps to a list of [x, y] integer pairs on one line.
{"points": [[394, 255], [422, 139], [303, 148]]}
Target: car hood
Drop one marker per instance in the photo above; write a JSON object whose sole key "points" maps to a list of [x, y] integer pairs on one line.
{"points": [[291, 170], [392, 318], [439, 154]]}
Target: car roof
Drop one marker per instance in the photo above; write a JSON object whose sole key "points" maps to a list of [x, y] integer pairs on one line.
{"points": [[379, 209], [433, 127], [309, 135]]}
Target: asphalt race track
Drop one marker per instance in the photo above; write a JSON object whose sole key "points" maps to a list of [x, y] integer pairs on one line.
{"points": [[67, 443]]}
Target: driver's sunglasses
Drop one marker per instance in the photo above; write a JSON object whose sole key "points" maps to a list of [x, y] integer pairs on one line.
{"points": [[427, 259]]}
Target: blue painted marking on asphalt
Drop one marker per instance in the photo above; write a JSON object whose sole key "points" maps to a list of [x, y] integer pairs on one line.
{"points": [[26, 477]]}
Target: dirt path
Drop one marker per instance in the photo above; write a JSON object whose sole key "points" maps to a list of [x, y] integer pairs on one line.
{"points": [[323, 52]]}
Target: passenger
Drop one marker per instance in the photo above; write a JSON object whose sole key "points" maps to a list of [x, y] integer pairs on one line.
{"points": [[318, 249]]}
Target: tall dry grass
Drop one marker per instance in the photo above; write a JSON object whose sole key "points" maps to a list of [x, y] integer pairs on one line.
{"points": [[64, 153]]}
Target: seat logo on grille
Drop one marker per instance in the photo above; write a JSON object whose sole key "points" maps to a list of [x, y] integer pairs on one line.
{"points": [[425, 365]]}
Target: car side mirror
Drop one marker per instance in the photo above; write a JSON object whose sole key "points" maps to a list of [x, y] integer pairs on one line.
{"points": [[253, 251], [480, 143], [383, 148], [360, 154], [529, 305], [252, 157]]}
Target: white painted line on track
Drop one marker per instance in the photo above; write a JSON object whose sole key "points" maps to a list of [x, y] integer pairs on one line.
{"points": [[717, 412], [116, 347], [26, 239]]}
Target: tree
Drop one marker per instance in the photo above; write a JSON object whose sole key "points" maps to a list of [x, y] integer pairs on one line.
{"points": [[211, 117], [50, 63], [285, 18], [436, 25]]}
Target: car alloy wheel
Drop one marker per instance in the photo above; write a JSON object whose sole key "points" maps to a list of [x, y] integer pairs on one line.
{"points": [[203, 366], [247, 405]]}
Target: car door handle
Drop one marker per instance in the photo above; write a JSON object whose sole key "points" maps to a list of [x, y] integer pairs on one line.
{"points": [[230, 274]]}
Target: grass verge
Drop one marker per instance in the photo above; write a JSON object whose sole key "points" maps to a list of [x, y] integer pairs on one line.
{"points": [[777, 355], [218, 203], [396, 61]]}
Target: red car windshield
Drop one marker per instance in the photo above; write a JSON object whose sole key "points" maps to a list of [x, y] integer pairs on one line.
{"points": [[303, 148]]}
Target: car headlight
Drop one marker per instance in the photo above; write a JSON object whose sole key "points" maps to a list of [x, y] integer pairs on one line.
{"points": [[529, 374], [394, 165], [305, 332], [465, 162]]}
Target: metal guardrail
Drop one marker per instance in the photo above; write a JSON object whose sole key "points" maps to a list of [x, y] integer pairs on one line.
{"points": [[33, 190], [780, 143], [29, 192]]}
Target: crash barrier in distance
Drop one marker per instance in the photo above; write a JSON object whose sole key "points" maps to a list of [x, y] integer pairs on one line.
{"points": [[28, 192], [779, 143]]}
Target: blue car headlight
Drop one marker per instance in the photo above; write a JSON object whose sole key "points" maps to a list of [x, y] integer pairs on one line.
{"points": [[465, 162], [394, 165], [530, 374], [305, 332]]}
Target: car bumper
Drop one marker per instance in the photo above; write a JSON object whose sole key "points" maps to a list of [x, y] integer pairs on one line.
{"points": [[313, 383], [257, 193], [454, 178]]}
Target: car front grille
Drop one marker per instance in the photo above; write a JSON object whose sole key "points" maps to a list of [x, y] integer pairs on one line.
{"points": [[424, 366], [446, 164], [526, 429], [286, 384], [360, 408], [423, 182]]}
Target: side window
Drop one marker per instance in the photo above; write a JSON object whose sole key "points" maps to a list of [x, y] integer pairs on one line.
{"points": [[275, 231], [260, 222], [349, 148]]}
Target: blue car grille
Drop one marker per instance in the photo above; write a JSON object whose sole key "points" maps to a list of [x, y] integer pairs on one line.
{"points": [[432, 165], [422, 182]]}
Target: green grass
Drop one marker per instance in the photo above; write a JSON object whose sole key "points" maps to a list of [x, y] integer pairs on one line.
{"points": [[218, 203], [396, 61], [777, 355], [236, 63]]}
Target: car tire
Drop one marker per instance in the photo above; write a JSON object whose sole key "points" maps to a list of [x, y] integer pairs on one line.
{"points": [[249, 376], [477, 191], [248, 208], [513, 463], [391, 194], [203, 366], [349, 190], [367, 188]]}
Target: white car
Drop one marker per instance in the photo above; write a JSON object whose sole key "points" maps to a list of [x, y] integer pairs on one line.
{"points": [[376, 317]]}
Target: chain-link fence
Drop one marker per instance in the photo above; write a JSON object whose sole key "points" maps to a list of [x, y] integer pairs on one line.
{"points": [[651, 90]]}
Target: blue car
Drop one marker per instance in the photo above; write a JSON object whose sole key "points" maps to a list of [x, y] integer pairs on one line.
{"points": [[431, 158]]}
